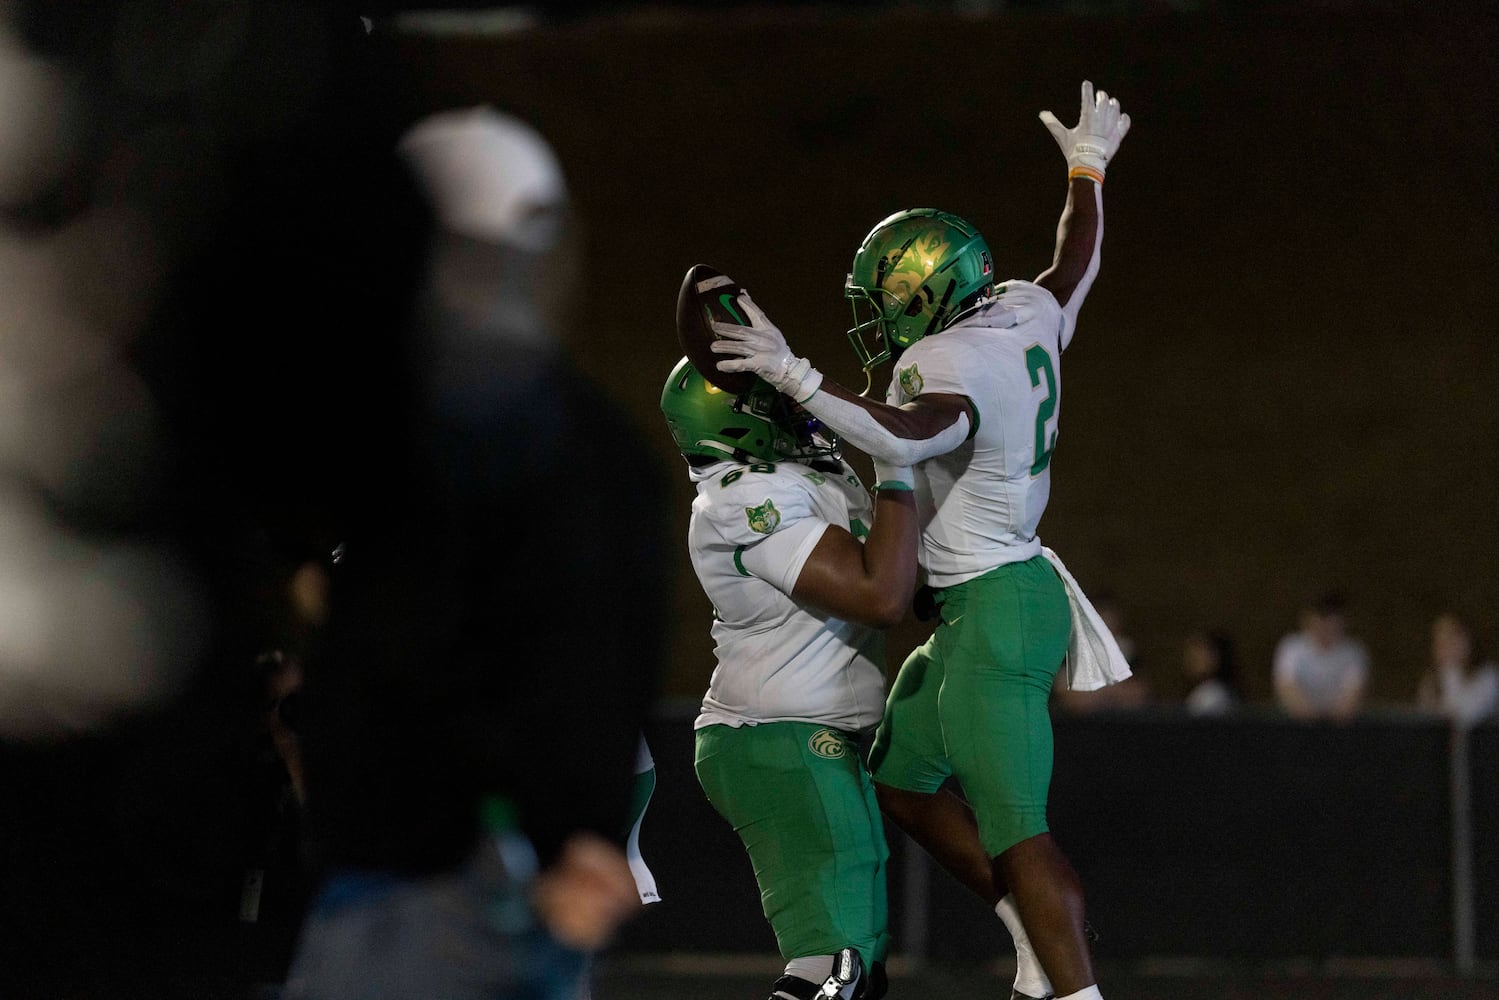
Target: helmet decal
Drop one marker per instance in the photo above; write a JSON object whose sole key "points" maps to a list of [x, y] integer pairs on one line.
{"points": [[913, 263]]}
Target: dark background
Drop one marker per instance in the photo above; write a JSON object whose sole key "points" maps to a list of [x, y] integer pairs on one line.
{"points": [[1282, 382], [1283, 378]]}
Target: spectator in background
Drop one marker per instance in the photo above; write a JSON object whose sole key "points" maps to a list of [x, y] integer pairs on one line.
{"points": [[1209, 666], [1112, 612], [1132, 692], [1459, 684], [1320, 671]]}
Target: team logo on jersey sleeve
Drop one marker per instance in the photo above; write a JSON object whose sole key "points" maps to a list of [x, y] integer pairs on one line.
{"points": [[911, 382], [827, 743], [763, 519]]}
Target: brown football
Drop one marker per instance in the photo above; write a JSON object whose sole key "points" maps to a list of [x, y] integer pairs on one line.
{"points": [[708, 294]]}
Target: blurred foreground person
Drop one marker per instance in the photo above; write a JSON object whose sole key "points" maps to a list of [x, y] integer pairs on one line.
{"points": [[492, 647], [190, 271], [974, 406], [803, 572]]}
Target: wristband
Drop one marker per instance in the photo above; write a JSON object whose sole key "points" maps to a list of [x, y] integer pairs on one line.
{"points": [[797, 378], [894, 477], [1094, 175]]}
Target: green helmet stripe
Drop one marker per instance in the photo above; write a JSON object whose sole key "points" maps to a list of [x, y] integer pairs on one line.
{"points": [[940, 313]]}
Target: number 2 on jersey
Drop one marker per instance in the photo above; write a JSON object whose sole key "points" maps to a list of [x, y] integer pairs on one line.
{"points": [[1038, 363]]}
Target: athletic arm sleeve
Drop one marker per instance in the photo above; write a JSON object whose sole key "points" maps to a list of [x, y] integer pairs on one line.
{"points": [[858, 427]]}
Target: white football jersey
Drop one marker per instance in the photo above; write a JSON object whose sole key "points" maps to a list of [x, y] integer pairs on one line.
{"points": [[980, 504], [752, 529]]}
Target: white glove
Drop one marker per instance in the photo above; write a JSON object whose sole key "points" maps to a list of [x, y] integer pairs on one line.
{"points": [[761, 349], [1100, 129], [893, 477]]}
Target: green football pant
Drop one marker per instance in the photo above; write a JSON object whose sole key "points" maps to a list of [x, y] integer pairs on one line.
{"points": [[801, 801], [973, 701]]}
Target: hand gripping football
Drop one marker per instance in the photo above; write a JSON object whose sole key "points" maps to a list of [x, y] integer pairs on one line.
{"points": [[708, 295]]}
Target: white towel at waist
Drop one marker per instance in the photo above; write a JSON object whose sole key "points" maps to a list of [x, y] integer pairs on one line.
{"points": [[1094, 659]]}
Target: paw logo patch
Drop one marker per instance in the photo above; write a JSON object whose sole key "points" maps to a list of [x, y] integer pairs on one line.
{"points": [[911, 382], [826, 743], [763, 519]]}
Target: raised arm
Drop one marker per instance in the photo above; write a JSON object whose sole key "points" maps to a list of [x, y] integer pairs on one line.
{"points": [[1089, 147]]}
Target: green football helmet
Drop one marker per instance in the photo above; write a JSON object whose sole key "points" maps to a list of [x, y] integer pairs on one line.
{"points": [[761, 424], [911, 276]]}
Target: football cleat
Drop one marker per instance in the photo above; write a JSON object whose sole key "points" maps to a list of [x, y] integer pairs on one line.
{"points": [[846, 981]]}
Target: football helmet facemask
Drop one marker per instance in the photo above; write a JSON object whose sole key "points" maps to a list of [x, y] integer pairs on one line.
{"points": [[912, 275], [760, 424]]}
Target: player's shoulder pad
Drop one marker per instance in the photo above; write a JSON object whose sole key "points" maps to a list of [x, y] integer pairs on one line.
{"points": [[748, 502], [940, 359], [1028, 299]]}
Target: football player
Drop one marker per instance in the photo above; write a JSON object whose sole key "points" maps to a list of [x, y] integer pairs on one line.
{"points": [[803, 571], [973, 404]]}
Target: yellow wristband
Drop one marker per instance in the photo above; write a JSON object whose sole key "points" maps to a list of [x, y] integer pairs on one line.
{"points": [[1096, 176]]}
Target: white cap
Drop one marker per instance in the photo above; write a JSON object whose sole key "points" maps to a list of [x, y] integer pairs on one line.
{"points": [[489, 175]]}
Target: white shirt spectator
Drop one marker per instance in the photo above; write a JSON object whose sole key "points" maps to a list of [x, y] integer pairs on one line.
{"points": [[1457, 686], [1316, 681], [1465, 697], [1211, 697]]}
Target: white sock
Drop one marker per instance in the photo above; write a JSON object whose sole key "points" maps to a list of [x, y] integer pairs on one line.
{"points": [[1091, 993], [812, 968], [1030, 978]]}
